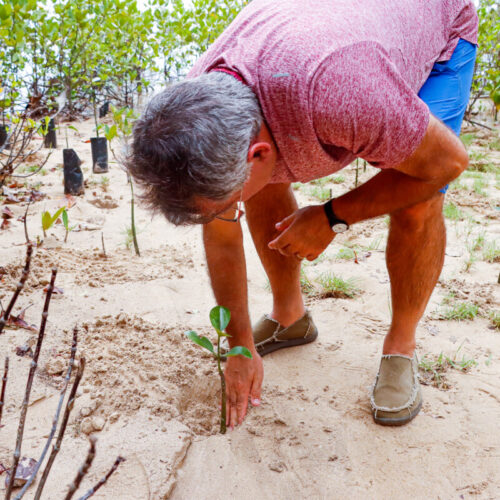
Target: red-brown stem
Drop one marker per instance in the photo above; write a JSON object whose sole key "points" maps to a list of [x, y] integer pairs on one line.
{"points": [[4, 384], [82, 471], [56, 416], [223, 390], [34, 363], [20, 285], [103, 480], [62, 428]]}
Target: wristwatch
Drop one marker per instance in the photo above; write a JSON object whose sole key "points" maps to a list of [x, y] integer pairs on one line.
{"points": [[337, 225]]}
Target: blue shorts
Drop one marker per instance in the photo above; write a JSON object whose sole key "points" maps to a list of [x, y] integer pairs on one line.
{"points": [[447, 89]]}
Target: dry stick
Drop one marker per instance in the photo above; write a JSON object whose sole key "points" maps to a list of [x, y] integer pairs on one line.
{"points": [[34, 363], [4, 383], [478, 124], [22, 281], [56, 416], [82, 471], [103, 480], [25, 221], [62, 428], [103, 247]]}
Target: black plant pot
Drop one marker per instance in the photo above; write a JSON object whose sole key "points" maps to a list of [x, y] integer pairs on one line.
{"points": [[99, 147], [73, 175], [3, 135], [50, 140], [104, 110]]}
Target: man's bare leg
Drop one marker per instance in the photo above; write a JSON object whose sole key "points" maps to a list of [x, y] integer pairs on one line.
{"points": [[415, 255], [269, 206]]}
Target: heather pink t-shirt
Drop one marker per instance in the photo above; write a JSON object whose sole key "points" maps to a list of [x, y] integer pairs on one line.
{"points": [[338, 79]]}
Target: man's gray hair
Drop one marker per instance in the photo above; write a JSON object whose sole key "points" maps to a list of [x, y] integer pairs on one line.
{"points": [[192, 141]]}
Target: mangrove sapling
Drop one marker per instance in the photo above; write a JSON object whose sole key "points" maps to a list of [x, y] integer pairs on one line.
{"points": [[219, 317], [29, 384], [49, 220], [82, 471], [122, 129]]}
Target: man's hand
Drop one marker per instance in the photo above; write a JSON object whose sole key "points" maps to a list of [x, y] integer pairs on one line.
{"points": [[305, 234], [243, 380]]}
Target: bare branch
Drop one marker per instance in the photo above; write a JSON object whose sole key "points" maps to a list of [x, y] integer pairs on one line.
{"points": [[56, 416], [24, 176], [82, 471], [34, 363], [62, 428], [4, 384], [103, 480], [20, 285]]}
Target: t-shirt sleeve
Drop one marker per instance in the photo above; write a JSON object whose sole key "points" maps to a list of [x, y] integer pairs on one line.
{"points": [[360, 102]]}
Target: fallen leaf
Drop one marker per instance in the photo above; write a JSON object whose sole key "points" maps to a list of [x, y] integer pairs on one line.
{"points": [[11, 199], [5, 224], [24, 350], [24, 470], [7, 213], [19, 322], [70, 201]]}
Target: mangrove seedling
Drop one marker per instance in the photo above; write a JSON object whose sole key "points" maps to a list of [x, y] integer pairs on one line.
{"points": [[49, 220], [219, 317]]}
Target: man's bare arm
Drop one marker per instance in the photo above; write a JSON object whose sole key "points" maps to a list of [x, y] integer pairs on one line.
{"points": [[440, 158], [226, 265]]}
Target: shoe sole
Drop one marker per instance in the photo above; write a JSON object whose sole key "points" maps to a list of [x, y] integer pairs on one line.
{"points": [[398, 421], [271, 347]]}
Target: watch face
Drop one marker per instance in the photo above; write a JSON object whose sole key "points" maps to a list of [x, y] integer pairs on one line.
{"points": [[339, 227]]}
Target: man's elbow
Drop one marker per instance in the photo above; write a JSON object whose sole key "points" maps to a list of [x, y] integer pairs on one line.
{"points": [[458, 164]]}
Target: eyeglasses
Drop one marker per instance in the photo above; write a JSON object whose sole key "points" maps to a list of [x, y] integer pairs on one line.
{"points": [[238, 211]]}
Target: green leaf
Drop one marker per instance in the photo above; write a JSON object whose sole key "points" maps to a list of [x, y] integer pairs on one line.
{"points": [[236, 351], [56, 215], [46, 221], [201, 341], [219, 317], [65, 219]]}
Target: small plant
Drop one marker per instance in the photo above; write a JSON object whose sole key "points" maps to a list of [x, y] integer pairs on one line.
{"points": [[460, 311], [467, 139], [306, 285], [49, 220], [64, 216], [451, 211], [104, 183], [337, 287], [491, 253], [346, 253], [320, 193], [219, 317], [338, 179], [432, 369], [479, 186], [495, 319]]}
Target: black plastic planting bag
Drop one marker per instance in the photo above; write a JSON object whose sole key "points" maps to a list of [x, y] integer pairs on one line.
{"points": [[73, 175]]}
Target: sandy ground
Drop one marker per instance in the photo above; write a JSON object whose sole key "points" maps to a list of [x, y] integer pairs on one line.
{"points": [[155, 395]]}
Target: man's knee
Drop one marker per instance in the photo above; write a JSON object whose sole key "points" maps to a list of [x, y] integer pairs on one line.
{"points": [[418, 216]]}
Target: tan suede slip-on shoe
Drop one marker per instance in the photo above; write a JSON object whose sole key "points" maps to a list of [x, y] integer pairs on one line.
{"points": [[396, 395], [269, 335]]}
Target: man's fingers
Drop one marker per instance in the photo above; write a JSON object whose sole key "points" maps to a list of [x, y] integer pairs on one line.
{"points": [[241, 408], [233, 416], [256, 389], [286, 222]]}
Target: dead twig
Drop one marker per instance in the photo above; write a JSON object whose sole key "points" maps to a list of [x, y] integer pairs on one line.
{"points": [[103, 480], [20, 285], [478, 124], [82, 471], [25, 220], [34, 364], [4, 384], [103, 247], [62, 428], [56, 416]]}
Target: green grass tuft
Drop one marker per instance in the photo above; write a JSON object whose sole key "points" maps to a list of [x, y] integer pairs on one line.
{"points": [[337, 287], [460, 311], [451, 211]]}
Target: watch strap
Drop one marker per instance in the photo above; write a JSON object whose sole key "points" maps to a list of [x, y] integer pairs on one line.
{"points": [[330, 215]]}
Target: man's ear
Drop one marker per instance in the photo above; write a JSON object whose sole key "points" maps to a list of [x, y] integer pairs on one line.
{"points": [[258, 151]]}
